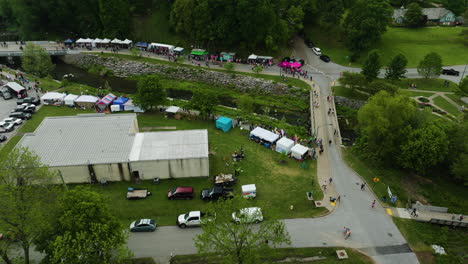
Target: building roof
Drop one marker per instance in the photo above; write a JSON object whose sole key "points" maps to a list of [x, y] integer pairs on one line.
{"points": [[82, 139], [167, 145], [431, 13]]}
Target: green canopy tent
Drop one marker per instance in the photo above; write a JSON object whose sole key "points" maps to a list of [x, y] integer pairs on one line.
{"points": [[199, 52]]}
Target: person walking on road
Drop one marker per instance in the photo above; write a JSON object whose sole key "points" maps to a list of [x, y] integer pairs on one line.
{"points": [[414, 212], [362, 186], [347, 232], [373, 204], [461, 218], [330, 180]]}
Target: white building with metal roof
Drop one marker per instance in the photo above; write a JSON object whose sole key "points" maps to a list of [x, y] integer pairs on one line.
{"points": [[98, 147]]}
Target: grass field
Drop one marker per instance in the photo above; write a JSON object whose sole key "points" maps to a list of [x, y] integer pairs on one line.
{"points": [[276, 255], [446, 106], [417, 93], [421, 236], [349, 93], [278, 186], [456, 99], [413, 43], [427, 84]]}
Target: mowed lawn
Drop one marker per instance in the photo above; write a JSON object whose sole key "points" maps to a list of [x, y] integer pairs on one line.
{"points": [[278, 186], [413, 43]]}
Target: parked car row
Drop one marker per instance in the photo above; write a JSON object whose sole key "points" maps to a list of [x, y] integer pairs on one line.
{"points": [[9, 124]]}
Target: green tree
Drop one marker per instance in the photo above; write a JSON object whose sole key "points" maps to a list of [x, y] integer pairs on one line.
{"points": [[365, 23], [203, 101], [295, 17], [151, 92], [430, 66], [425, 147], [115, 18], [246, 104], [86, 231], [238, 243], [331, 13], [229, 66], [353, 80], [396, 68], [457, 6], [135, 52], [36, 60], [458, 150], [372, 65], [462, 89], [381, 130], [381, 85], [26, 195], [257, 69], [414, 16]]}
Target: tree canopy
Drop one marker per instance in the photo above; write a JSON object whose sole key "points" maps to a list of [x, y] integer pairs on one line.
{"points": [[36, 60], [414, 16], [365, 23], [203, 101], [372, 65], [397, 67], [151, 92], [430, 66]]}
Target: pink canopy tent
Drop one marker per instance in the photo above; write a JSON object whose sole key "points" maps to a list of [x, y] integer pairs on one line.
{"points": [[296, 65], [284, 64]]}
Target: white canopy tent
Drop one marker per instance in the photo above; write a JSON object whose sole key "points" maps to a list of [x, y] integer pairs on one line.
{"points": [[53, 98], [264, 134], [96, 41], [116, 41], [298, 151], [70, 99], [80, 40], [86, 101], [106, 41], [284, 145], [173, 109], [126, 42], [252, 57]]}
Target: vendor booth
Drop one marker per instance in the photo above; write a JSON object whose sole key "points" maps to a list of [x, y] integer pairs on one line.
{"points": [[120, 102], [224, 123], [284, 145], [262, 135], [264, 59], [160, 48], [126, 44], [68, 42], [115, 108], [199, 53], [96, 43], [115, 42], [298, 151], [70, 100], [249, 191], [105, 102], [172, 111], [179, 51], [129, 106], [105, 42], [86, 101], [252, 58], [141, 45], [227, 56], [53, 98]]}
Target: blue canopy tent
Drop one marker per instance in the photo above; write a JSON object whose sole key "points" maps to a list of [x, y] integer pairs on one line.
{"points": [[224, 123], [120, 101], [143, 45], [68, 42]]}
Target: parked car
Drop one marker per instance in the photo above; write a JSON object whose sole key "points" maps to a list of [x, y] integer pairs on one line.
{"points": [[5, 93], [180, 193], [143, 225], [135, 194], [15, 121], [325, 58], [32, 106], [450, 72], [30, 100], [308, 43], [3, 138], [248, 215], [215, 193], [7, 127], [193, 218], [23, 108], [317, 51], [21, 115]]}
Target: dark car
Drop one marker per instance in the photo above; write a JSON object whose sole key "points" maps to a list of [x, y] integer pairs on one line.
{"points": [[143, 225], [309, 43], [3, 138], [325, 58], [20, 115], [450, 72], [180, 193], [24, 108], [215, 193], [29, 100]]}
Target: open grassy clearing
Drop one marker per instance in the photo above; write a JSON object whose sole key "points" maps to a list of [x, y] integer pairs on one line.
{"points": [[349, 93], [421, 236], [446, 106], [417, 93], [433, 189], [413, 43], [278, 186], [275, 255], [456, 99], [426, 84]]}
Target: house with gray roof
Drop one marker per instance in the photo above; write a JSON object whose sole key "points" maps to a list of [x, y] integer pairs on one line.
{"points": [[99, 147], [437, 15]]}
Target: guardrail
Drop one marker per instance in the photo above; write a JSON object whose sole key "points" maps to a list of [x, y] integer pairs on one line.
{"points": [[448, 222]]}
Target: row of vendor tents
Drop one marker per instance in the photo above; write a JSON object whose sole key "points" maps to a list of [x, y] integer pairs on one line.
{"points": [[110, 101], [283, 144]]}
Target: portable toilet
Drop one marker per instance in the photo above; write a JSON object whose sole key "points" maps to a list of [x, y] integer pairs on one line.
{"points": [[224, 123], [249, 191]]}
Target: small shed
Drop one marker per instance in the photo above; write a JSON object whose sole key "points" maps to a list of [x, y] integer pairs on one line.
{"points": [[224, 123], [298, 151], [86, 101], [284, 145], [105, 102], [70, 99], [53, 98], [264, 135], [249, 191], [120, 101]]}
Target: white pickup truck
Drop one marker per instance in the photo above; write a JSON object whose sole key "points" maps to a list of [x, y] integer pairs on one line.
{"points": [[190, 219]]}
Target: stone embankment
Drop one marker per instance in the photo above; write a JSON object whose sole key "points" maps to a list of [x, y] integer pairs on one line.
{"points": [[126, 68], [348, 102]]}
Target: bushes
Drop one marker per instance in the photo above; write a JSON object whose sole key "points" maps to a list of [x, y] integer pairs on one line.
{"points": [[100, 70]]}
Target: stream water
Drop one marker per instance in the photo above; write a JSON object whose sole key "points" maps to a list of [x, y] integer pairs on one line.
{"points": [[126, 86]]}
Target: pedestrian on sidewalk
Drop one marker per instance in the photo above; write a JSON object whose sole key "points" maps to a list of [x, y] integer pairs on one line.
{"points": [[324, 186], [373, 204], [330, 180], [339, 198], [461, 218], [414, 212], [362, 186], [334, 132], [453, 217]]}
